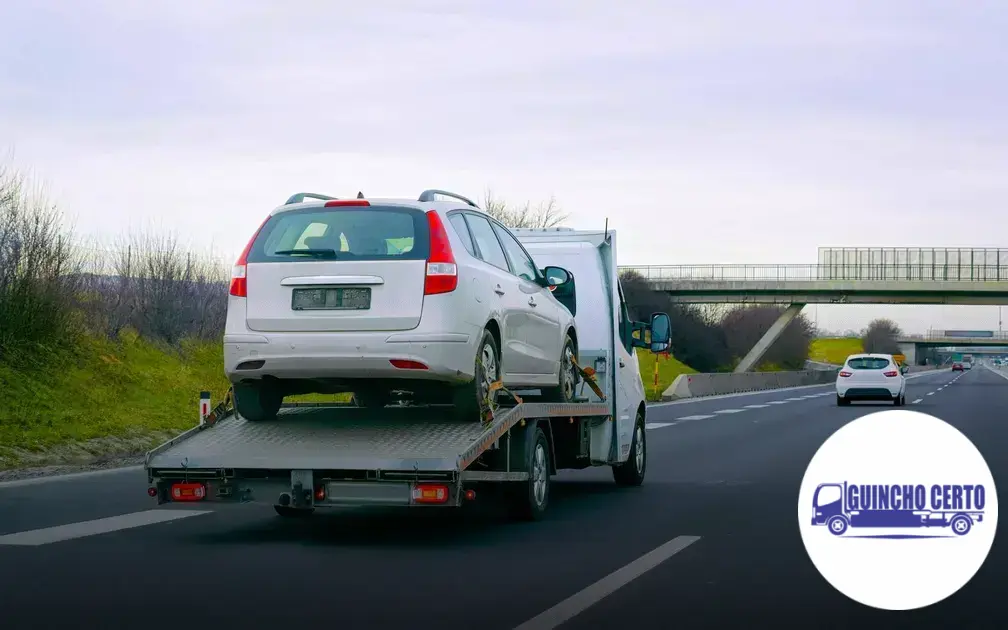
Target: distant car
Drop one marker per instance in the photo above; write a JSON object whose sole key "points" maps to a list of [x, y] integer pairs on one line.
{"points": [[375, 297], [957, 366], [871, 377], [967, 365]]}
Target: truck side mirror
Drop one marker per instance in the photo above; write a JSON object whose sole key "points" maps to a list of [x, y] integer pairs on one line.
{"points": [[661, 332]]}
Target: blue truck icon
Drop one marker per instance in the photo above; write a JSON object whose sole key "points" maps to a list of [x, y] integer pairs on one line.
{"points": [[839, 506]]}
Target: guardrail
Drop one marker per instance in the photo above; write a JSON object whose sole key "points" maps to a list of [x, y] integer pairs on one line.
{"points": [[823, 272]]}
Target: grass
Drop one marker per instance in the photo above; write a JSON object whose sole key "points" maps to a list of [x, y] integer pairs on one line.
{"points": [[668, 369], [834, 350], [106, 398]]}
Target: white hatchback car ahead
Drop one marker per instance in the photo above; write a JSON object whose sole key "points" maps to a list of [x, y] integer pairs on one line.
{"points": [[378, 296], [871, 377]]}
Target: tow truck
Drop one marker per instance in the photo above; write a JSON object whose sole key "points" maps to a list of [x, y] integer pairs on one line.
{"points": [[316, 456]]}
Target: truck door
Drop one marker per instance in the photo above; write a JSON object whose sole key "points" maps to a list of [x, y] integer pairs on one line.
{"points": [[630, 388]]}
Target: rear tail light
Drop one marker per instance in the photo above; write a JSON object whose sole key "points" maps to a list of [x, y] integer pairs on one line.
{"points": [[442, 273], [188, 492], [406, 364], [891, 373], [430, 493], [239, 281], [845, 374]]}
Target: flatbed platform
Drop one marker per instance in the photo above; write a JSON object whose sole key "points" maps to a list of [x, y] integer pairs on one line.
{"points": [[342, 438]]}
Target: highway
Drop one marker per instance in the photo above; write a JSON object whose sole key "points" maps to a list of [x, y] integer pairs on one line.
{"points": [[723, 470]]}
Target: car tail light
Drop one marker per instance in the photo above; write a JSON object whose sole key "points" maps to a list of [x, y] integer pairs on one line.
{"points": [[340, 203], [845, 374], [891, 373], [239, 280], [406, 364], [442, 273], [430, 493]]}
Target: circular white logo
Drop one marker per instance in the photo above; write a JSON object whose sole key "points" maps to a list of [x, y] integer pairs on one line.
{"points": [[897, 510]]}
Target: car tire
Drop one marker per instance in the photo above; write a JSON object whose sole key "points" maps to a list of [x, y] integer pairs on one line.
{"points": [[566, 389], [257, 401], [841, 402], [531, 498], [631, 472], [470, 400]]}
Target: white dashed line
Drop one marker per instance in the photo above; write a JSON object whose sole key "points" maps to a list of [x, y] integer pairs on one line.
{"points": [[756, 406], [658, 425], [83, 529], [698, 417], [729, 411], [930, 393], [778, 402], [917, 401]]}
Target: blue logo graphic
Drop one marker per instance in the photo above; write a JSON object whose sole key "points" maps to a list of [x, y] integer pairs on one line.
{"points": [[840, 506]]}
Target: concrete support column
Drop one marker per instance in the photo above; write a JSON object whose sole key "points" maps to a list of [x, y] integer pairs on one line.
{"points": [[753, 357]]}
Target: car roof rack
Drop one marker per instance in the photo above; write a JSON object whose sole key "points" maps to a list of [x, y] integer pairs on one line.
{"points": [[301, 196], [428, 196]]}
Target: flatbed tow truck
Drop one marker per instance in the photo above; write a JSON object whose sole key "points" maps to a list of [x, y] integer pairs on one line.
{"points": [[315, 455]]}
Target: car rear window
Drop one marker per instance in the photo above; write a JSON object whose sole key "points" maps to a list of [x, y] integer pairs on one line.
{"points": [[868, 363], [351, 233]]}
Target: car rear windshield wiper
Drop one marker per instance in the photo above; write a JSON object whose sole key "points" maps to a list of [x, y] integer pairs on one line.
{"points": [[316, 252]]}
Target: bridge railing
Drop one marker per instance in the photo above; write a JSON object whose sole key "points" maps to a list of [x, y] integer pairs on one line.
{"points": [[824, 272], [938, 335]]}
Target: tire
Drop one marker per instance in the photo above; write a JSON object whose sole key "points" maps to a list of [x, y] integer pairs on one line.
{"points": [[287, 511], [470, 399], [257, 401], [566, 390], [961, 525], [898, 401], [531, 497], [837, 525], [841, 402], [631, 472]]}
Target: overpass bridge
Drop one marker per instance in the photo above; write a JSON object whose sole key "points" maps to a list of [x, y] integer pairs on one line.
{"points": [[893, 275], [984, 342]]}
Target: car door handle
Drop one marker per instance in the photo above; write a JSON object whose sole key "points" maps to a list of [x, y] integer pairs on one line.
{"points": [[499, 290]]}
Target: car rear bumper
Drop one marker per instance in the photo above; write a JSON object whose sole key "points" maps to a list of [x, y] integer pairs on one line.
{"points": [[353, 355], [864, 392]]}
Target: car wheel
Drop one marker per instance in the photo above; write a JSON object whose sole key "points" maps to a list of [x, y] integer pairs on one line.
{"points": [[472, 400], [631, 472], [566, 389], [531, 497], [257, 401]]}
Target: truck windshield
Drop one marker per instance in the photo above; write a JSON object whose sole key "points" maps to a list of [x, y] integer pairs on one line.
{"points": [[826, 495]]}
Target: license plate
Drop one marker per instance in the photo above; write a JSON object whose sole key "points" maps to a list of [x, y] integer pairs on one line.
{"points": [[331, 299]]}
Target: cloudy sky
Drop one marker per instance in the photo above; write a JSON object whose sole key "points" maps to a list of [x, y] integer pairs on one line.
{"points": [[706, 132]]}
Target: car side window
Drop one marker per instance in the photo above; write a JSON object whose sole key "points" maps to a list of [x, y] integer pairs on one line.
{"points": [[486, 241], [459, 223], [522, 263], [625, 329]]}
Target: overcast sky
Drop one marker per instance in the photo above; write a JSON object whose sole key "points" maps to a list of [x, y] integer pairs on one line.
{"points": [[706, 132]]}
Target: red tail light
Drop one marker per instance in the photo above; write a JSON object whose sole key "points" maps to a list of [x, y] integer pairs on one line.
{"points": [[239, 281], [845, 374], [338, 203], [430, 493], [891, 373], [406, 364], [442, 274]]}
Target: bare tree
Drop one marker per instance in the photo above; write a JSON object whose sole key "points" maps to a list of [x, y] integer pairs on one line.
{"points": [[744, 326], [880, 336], [546, 214]]}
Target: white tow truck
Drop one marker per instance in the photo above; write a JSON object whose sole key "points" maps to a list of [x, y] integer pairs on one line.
{"points": [[315, 455]]}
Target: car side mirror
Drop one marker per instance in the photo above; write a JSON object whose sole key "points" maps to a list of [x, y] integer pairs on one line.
{"points": [[556, 276], [661, 332], [904, 369]]}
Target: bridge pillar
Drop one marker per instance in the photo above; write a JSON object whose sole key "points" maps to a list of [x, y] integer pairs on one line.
{"points": [[753, 357], [909, 350]]}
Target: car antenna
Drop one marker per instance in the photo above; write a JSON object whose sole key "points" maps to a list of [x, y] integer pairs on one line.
{"points": [[360, 195]]}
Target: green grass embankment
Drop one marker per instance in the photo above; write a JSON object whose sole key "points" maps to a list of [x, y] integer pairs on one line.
{"points": [[668, 370], [834, 350]]}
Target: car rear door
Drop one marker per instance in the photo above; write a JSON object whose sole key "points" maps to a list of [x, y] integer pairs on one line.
{"points": [[352, 268]]}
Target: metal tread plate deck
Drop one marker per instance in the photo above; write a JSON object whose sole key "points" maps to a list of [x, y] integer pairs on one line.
{"points": [[318, 438]]}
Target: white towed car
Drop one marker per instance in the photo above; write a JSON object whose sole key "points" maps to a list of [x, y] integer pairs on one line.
{"points": [[376, 297], [871, 377]]}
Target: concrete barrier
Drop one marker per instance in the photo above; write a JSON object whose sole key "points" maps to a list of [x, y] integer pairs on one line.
{"points": [[713, 384], [717, 383]]}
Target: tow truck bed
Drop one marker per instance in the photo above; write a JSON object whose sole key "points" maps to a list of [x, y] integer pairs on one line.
{"points": [[345, 454]]}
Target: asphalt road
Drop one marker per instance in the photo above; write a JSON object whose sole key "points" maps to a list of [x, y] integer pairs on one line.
{"points": [[728, 477]]}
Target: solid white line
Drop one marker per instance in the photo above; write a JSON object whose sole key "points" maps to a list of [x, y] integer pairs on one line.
{"points": [[582, 600], [32, 481], [60, 533], [699, 417], [759, 392], [658, 425], [729, 411]]}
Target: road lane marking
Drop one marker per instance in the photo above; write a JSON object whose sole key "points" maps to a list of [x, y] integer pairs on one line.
{"points": [[658, 425], [930, 393], [45, 536], [582, 600], [697, 417], [917, 401], [778, 402], [756, 406], [730, 411]]}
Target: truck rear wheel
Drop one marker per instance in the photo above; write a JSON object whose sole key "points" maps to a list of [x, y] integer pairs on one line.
{"points": [[531, 497], [257, 401], [470, 400], [631, 472], [565, 391]]}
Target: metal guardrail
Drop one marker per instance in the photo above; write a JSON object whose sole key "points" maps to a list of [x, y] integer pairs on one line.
{"points": [[824, 272]]}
